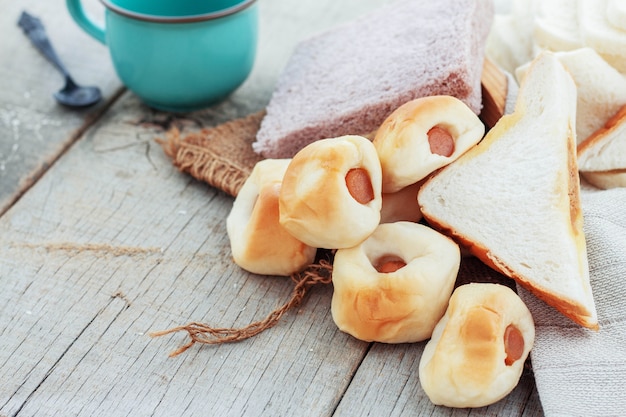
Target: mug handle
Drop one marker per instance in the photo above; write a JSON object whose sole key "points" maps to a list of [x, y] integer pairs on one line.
{"points": [[77, 12]]}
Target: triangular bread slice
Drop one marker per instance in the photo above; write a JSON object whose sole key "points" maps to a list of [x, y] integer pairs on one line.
{"points": [[556, 26], [513, 199], [602, 156], [597, 32], [600, 88]]}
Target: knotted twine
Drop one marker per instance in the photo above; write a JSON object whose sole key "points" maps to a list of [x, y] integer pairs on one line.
{"points": [[222, 157], [317, 273]]}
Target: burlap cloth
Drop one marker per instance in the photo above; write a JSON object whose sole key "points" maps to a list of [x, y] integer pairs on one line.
{"points": [[221, 156], [578, 372]]}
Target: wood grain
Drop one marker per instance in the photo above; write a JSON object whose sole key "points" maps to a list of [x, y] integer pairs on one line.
{"points": [[102, 251], [494, 92], [387, 384], [37, 130], [114, 242]]}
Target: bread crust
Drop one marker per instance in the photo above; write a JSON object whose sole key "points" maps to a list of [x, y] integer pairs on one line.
{"points": [[601, 164], [606, 179], [612, 124], [552, 196], [569, 308]]}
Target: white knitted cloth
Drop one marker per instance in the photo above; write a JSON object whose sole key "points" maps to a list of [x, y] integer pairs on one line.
{"points": [[582, 372]]}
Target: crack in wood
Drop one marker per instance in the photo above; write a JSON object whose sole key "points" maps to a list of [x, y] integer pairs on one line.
{"points": [[166, 121], [119, 294], [65, 352], [91, 247]]}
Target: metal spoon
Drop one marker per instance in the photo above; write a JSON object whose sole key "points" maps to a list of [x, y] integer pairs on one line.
{"points": [[71, 94]]}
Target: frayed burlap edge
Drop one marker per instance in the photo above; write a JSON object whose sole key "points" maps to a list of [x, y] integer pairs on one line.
{"points": [[221, 156]]}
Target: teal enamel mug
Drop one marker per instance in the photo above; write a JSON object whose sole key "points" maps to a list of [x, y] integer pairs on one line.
{"points": [[177, 55]]}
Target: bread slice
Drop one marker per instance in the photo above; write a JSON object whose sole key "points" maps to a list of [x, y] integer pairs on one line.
{"points": [[507, 45], [598, 33], [602, 156], [556, 26], [606, 179], [616, 14], [525, 10], [350, 78], [510, 41], [513, 200], [601, 89]]}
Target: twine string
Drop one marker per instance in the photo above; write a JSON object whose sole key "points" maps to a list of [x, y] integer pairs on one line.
{"points": [[314, 274]]}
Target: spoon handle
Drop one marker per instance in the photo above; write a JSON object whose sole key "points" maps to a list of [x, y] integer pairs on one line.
{"points": [[34, 29]]}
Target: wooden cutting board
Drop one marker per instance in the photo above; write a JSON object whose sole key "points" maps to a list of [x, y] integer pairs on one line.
{"points": [[222, 156]]}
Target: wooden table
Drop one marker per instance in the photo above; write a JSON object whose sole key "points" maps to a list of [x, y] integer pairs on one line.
{"points": [[102, 241]]}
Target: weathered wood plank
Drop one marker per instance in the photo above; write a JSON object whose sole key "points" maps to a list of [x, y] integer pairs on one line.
{"points": [[113, 243], [387, 383], [281, 26], [34, 129]]}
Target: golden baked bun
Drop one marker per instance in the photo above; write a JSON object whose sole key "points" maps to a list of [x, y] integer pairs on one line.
{"points": [[331, 193], [394, 287], [401, 205], [422, 136], [258, 242], [477, 351]]}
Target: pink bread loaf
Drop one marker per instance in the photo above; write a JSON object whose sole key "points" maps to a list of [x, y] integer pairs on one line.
{"points": [[350, 78]]}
